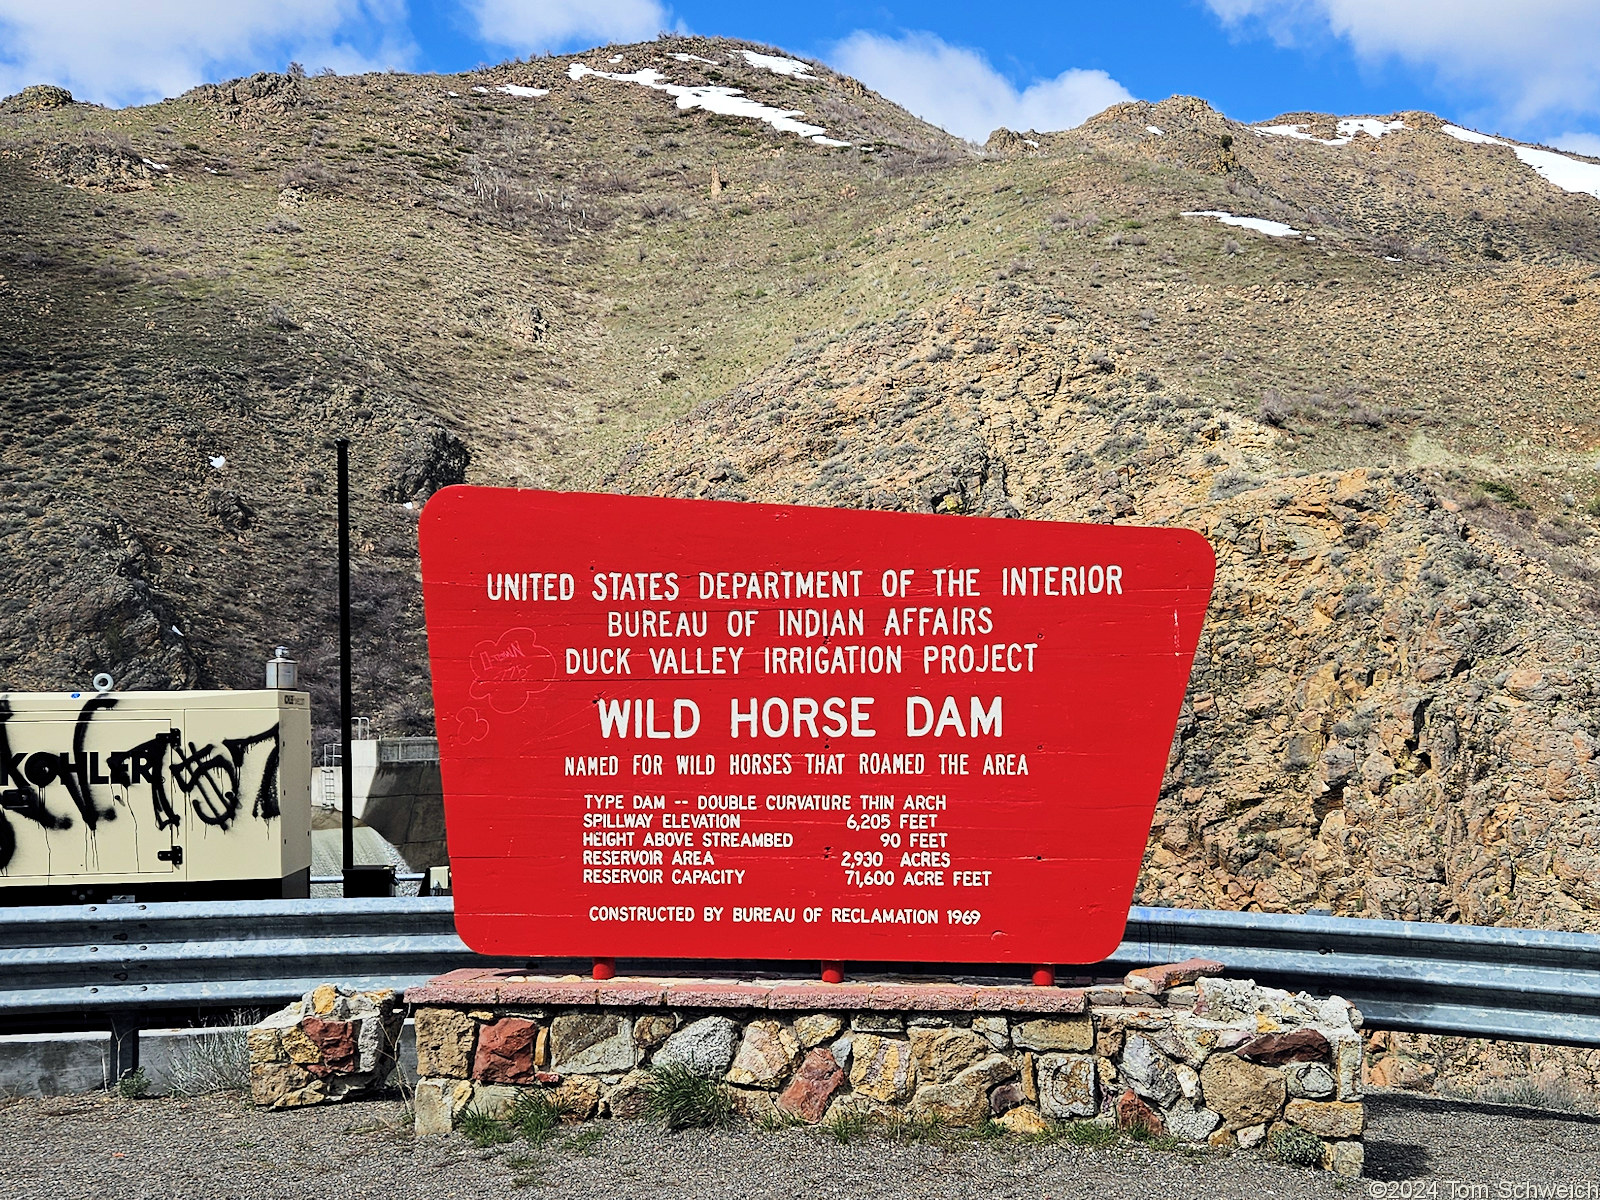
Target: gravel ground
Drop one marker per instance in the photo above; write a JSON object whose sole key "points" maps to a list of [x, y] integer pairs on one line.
{"points": [[103, 1147]]}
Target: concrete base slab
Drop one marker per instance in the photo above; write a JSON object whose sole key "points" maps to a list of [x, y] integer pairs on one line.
{"points": [[173, 1060], [53, 1064]]}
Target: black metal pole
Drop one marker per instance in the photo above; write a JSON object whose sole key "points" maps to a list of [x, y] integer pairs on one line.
{"points": [[346, 786]]}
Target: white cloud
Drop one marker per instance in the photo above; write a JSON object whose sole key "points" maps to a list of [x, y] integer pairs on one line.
{"points": [[1535, 57], [124, 52], [958, 90], [528, 25], [1579, 143]]}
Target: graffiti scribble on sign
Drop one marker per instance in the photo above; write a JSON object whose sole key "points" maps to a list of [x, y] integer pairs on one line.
{"points": [[212, 780], [470, 726], [508, 670]]}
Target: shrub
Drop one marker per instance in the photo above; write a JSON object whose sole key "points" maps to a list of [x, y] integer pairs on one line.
{"points": [[1228, 484], [212, 1062], [1553, 1095], [496, 191], [1562, 531], [135, 1085], [1294, 1147], [1502, 492], [1275, 410], [683, 1100], [311, 176], [278, 317]]}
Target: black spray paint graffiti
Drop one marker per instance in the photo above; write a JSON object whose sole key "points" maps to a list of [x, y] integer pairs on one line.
{"points": [[210, 779]]}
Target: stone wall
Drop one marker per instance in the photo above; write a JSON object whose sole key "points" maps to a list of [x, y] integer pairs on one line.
{"points": [[330, 1044], [1173, 1051]]}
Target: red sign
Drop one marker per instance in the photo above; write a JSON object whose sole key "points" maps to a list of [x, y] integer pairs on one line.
{"points": [[681, 728]]}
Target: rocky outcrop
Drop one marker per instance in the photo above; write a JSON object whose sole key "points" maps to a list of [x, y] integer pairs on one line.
{"points": [[265, 92], [38, 97], [1181, 131], [101, 165], [1390, 711]]}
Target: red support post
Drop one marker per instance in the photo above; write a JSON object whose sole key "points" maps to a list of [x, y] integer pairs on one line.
{"points": [[832, 972], [1044, 977], [605, 968]]}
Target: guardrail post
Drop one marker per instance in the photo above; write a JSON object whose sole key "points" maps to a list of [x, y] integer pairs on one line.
{"points": [[124, 1045]]}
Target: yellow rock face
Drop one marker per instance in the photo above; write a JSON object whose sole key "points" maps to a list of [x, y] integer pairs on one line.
{"points": [[1326, 1119], [881, 1068], [283, 1085], [444, 1042], [1024, 1120], [299, 1047]]}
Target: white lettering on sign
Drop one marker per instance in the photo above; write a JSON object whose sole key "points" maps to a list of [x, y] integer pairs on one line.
{"points": [[955, 582], [886, 916], [798, 716], [763, 914], [779, 585], [713, 660], [653, 622], [920, 719], [924, 621], [1092, 580], [616, 715], [832, 660], [614, 878], [591, 764], [982, 659], [527, 585], [822, 622], [712, 877], [597, 662], [607, 912], [635, 585]]}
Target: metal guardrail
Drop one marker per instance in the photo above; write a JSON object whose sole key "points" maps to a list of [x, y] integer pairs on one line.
{"points": [[113, 957], [118, 959], [1526, 985]]}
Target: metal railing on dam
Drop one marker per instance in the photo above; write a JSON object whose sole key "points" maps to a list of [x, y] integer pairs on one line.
{"points": [[106, 964]]}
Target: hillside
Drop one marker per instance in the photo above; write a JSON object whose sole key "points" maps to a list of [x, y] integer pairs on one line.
{"points": [[1384, 411]]}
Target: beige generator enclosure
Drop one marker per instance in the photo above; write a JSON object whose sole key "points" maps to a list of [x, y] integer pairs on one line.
{"points": [[154, 795]]}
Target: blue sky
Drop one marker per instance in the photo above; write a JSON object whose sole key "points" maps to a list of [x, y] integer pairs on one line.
{"points": [[1529, 69]]}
